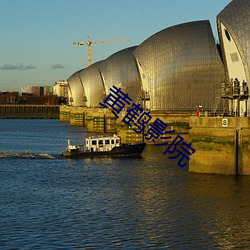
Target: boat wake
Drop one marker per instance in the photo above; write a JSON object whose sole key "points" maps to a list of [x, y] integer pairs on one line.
{"points": [[26, 154]]}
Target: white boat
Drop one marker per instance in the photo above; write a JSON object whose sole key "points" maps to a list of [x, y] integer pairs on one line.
{"points": [[96, 146]]}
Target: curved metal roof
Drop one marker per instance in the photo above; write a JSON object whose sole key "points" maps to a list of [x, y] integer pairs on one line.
{"points": [[120, 70], [181, 67], [92, 83], [236, 18], [76, 92]]}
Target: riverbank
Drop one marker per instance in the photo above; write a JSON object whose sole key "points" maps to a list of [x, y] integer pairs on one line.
{"points": [[25, 111]]}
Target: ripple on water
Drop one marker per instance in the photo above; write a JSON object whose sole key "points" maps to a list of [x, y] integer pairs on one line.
{"points": [[112, 203]]}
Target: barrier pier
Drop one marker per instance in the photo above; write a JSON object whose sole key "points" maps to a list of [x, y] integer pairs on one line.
{"points": [[222, 145]]}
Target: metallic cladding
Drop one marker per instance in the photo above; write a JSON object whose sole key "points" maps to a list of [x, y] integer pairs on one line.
{"points": [[93, 85], [236, 18], [76, 92], [120, 70], [182, 67]]}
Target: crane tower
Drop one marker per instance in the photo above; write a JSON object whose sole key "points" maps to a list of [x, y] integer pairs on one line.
{"points": [[89, 43]]}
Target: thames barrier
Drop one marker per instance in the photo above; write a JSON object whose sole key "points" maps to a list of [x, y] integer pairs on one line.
{"points": [[185, 78], [222, 144]]}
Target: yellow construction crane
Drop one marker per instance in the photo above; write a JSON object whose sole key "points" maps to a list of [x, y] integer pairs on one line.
{"points": [[89, 43]]}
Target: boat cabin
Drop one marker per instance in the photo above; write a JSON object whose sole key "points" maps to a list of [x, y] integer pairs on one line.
{"points": [[105, 143]]}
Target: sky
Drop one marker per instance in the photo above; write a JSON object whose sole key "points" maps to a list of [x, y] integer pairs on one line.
{"points": [[36, 35]]}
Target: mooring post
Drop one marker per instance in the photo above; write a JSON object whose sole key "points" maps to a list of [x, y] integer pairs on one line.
{"points": [[237, 152]]}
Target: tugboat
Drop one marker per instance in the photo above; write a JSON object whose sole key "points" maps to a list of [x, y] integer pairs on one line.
{"points": [[96, 146]]}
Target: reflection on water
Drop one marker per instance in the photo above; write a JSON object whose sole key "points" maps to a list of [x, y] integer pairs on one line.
{"points": [[224, 200], [113, 203]]}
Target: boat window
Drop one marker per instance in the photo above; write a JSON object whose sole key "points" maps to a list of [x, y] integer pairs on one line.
{"points": [[100, 142], [117, 141], [107, 142], [112, 141], [93, 142]]}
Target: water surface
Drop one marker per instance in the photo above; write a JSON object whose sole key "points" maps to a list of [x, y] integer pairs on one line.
{"points": [[148, 203]]}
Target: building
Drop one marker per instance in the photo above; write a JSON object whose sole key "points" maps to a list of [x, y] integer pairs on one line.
{"points": [[92, 85], [60, 89], [175, 70], [76, 93], [9, 97], [120, 70], [38, 95], [178, 69], [37, 90], [234, 33]]}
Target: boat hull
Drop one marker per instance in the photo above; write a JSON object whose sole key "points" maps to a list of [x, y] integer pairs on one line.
{"points": [[126, 150]]}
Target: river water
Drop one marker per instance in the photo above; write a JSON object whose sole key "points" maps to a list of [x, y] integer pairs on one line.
{"points": [[150, 203]]}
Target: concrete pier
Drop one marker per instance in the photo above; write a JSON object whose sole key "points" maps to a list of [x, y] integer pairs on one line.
{"points": [[104, 121], [222, 145], [64, 113]]}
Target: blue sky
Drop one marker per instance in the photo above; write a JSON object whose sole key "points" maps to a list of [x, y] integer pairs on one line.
{"points": [[36, 35]]}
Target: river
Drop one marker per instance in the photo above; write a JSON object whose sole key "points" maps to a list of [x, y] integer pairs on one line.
{"points": [[48, 202]]}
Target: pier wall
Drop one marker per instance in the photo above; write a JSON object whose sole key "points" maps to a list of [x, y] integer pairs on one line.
{"points": [[222, 145], [104, 121], [25, 111]]}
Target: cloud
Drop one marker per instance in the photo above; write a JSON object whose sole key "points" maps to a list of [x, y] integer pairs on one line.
{"points": [[29, 67], [57, 66], [7, 66]]}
